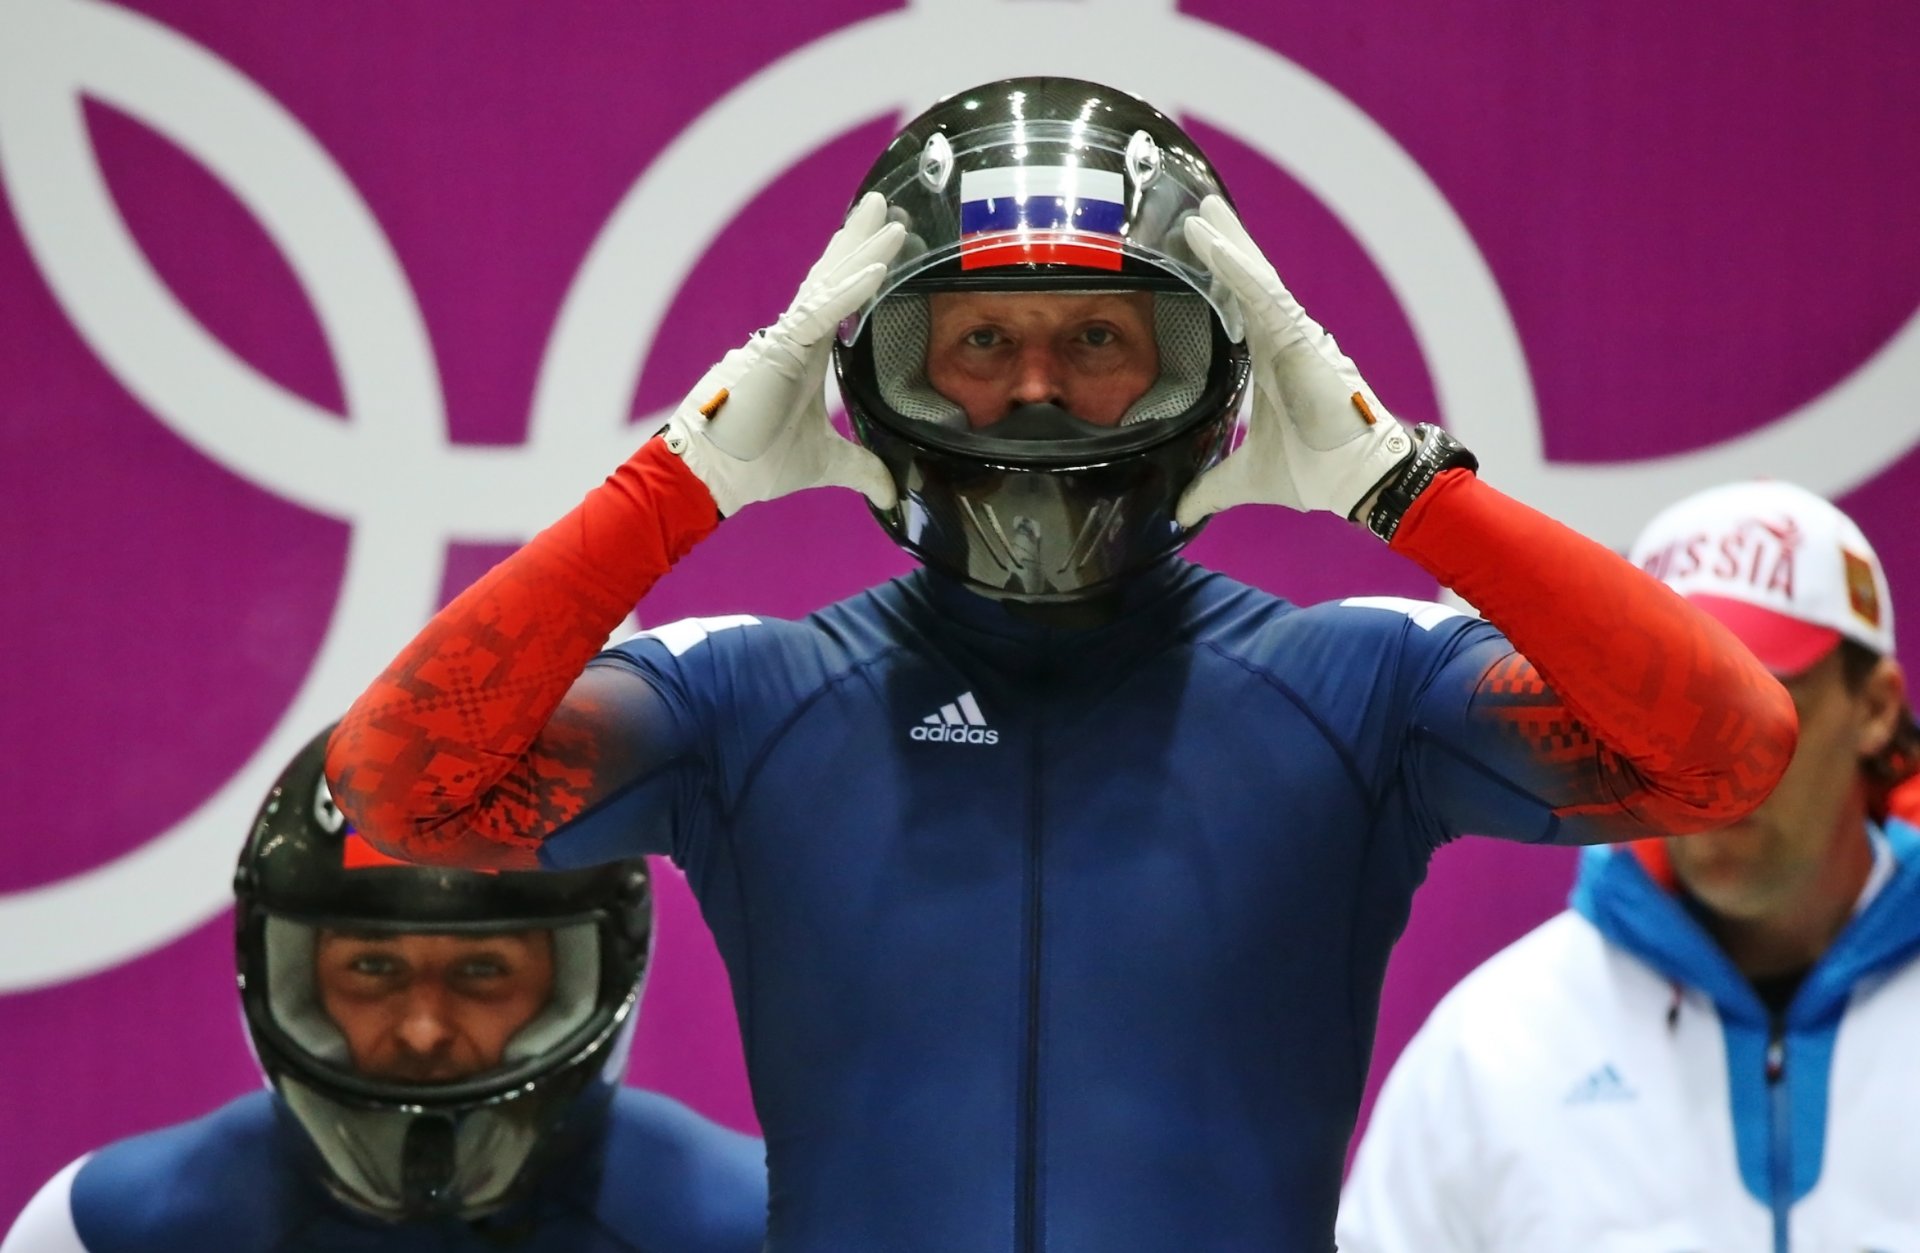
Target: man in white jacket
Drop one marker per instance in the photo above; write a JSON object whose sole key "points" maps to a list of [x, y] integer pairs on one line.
{"points": [[1717, 1047]]}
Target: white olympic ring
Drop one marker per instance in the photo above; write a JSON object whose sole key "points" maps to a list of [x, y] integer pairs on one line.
{"points": [[391, 471]]}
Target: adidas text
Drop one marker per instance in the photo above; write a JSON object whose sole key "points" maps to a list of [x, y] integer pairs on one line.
{"points": [[956, 735]]}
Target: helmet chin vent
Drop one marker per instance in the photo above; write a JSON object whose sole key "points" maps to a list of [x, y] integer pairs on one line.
{"points": [[426, 1164]]}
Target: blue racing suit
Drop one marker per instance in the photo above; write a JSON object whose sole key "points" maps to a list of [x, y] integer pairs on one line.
{"points": [[243, 1179], [1092, 965]]}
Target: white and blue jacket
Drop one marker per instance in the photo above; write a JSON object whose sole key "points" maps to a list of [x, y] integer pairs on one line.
{"points": [[1611, 1082]]}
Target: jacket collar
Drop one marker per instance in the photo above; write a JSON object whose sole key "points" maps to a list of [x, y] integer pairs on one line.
{"points": [[1147, 614], [1621, 899]]}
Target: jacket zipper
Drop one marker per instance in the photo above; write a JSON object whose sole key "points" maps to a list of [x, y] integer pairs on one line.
{"points": [[1780, 1132], [1026, 1182]]}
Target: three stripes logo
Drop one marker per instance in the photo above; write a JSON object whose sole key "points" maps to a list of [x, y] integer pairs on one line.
{"points": [[1604, 1086], [959, 722]]}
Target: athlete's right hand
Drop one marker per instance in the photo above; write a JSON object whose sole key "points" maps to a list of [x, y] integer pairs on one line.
{"points": [[756, 426]]}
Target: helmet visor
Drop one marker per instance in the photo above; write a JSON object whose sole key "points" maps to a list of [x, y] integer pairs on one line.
{"points": [[315, 998], [1024, 375]]}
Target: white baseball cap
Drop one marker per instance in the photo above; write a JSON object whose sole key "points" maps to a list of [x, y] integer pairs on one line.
{"points": [[1785, 571]]}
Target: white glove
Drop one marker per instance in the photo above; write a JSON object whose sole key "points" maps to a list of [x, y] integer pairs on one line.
{"points": [[756, 426], [1317, 438]]}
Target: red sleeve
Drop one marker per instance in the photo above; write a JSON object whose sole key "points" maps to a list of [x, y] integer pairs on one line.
{"points": [[455, 753], [1640, 706], [1902, 801]]}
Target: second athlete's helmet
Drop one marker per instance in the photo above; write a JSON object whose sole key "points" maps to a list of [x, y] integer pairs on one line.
{"points": [[402, 1150], [1043, 185]]}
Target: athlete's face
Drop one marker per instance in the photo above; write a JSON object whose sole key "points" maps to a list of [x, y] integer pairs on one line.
{"points": [[431, 1007], [1091, 353], [1805, 831]]}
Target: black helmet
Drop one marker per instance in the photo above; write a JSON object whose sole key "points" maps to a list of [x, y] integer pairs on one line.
{"points": [[400, 1150], [1051, 185]]}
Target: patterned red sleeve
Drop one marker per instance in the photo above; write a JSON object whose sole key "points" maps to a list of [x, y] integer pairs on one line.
{"points": [[460, 753], [1644, 716]]}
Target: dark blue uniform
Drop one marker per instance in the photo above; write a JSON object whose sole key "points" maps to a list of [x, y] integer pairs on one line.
{"points": [[1055, 939], [240, 1180]]}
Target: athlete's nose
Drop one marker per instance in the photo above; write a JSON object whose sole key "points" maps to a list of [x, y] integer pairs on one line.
{"points": [[425, 1028], [1036, 378]]}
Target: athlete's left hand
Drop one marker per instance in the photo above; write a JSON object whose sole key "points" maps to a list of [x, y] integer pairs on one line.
{"points": [[1317, 438]]}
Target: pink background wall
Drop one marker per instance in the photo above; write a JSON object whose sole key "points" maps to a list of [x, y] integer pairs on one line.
{"points": [[308, 310]]}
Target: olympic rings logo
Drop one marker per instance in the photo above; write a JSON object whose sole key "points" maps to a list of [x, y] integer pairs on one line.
{"points": [[391, 471]]}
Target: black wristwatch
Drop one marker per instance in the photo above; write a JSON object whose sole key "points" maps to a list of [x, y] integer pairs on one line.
{"points": [[1434, 451]]}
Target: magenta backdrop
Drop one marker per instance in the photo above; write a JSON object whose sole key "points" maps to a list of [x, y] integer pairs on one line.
{"points": [[1697, 218]]}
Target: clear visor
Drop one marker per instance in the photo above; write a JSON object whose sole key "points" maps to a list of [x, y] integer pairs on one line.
{"points": [[294, 1003], [1108, 360], [1046, 193]]}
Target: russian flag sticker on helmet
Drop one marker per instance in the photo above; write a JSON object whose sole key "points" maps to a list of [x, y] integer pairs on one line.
{"points": [[1041, 215]]}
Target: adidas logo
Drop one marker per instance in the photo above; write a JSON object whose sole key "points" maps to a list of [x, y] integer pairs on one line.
{"points": [[1603, 1085], [958, 723]]}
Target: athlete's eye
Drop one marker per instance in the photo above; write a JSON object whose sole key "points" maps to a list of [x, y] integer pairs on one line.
{"points": [[981, 337]]}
